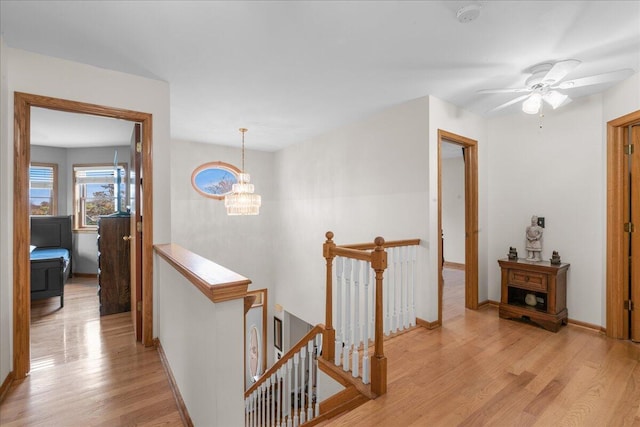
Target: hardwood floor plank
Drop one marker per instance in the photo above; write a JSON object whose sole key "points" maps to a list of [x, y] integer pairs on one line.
{"points": [[478, 369], [87, 370]]}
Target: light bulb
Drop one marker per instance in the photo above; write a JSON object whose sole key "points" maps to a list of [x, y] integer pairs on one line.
{"points": [[532, 104]]}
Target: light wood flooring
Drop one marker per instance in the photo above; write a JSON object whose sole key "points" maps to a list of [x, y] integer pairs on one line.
{"points": [[475, 370], [479, 370], [87, 370]]}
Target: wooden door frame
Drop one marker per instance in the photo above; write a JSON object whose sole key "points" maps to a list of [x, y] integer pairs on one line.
{"points": [[616, 264], [470, 215], [21, 265]]}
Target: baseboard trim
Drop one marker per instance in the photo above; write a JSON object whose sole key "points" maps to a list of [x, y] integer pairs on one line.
{"points": [[426, 324], [489, 303], [182, 408], [591, 326], [6, 385], [453, 265]]}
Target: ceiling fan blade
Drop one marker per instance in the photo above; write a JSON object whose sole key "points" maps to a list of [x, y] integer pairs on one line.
{"points": [[508, 90], [506, 104], [596, 79], [560, 70]]}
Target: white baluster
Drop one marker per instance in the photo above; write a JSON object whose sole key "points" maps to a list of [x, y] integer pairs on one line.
{"points": [[276, 398], [386, 283], [261, 405], [356, 317], [288, 402], [365, 338], [289, 391], [404, 310], [347, 338], [315, 371], [338, 309], [266, 400], [412, 285], [309, 405], [249, 421], [296, 376], [303, 365], [396, 289]]}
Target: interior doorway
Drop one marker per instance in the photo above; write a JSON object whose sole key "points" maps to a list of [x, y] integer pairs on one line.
{"points": [[453, 239], [21, 237], [470, 149], [623, 227]]}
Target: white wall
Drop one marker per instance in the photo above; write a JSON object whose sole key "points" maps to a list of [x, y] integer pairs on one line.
{"points": [[360, 181], [453, 225], [204, 346], [6, 220], [555, 172], [42, 75], [243, 244], [448, 117], [240, 243]]}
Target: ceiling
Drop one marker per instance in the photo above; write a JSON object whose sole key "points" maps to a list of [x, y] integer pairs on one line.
{"points": [[291, 70]]}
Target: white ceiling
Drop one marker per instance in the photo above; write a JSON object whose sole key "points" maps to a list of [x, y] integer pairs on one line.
{"points": [[60, 129], [290, 70]]}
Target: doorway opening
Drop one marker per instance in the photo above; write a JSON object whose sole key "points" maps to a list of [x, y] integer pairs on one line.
{"points": [[453, 241], [21, 208], [469, 148], [623, 227]]}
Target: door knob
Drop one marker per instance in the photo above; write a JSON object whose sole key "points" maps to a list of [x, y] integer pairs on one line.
{"points": [[127, 238]]}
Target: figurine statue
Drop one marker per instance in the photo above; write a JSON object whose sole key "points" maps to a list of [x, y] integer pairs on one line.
{"points": [[555, 258], [534, 240], [513, 254]]}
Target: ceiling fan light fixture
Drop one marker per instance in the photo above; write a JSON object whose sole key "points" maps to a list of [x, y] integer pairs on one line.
{"points": [[554, 99], [532, 104]]}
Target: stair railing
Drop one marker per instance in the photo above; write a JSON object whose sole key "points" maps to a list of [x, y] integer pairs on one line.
{"points": [[365, 311], [285, 395]]}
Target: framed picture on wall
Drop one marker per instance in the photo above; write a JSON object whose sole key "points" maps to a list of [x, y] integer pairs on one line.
{"points": [[214, 179], [277, 333]]}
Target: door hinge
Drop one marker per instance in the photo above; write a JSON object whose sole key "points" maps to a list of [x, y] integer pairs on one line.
{"points": [[139, 147], [629, 227], [139, 306], [628, 149], [628, 305], [139, 226]]}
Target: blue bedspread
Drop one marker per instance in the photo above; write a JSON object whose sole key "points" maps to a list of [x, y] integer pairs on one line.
{"points": [[48, 253]]}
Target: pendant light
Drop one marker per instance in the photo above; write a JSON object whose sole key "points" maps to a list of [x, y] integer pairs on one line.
{"points": [[242, 200]]}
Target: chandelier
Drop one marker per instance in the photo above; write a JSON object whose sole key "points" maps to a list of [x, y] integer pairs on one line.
{"points": [[242, 200]]}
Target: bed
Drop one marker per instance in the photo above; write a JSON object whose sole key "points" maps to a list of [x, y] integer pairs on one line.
{"points": [[51, 256]]}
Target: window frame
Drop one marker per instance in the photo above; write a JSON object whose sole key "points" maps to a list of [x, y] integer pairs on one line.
{"points": [[54, 193], [78, 224]]}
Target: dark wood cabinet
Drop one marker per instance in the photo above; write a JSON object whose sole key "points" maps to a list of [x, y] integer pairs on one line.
{"points": [[535, 291], [114, 278]]}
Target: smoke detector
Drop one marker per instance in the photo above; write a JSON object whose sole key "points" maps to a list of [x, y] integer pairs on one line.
{"points": [[468, 13]]}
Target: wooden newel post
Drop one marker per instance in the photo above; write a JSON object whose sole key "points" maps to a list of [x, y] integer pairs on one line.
{"points": [[329, 336], [379, 361]]}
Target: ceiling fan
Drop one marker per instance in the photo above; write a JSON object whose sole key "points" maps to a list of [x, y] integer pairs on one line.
{"points": [[545, 84]]}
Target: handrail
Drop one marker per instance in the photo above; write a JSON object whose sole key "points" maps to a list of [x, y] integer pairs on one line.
{"points": [[218, 283], [390, 244], [319, 328]]}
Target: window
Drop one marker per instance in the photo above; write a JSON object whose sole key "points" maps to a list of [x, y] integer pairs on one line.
{"points": [[43, 185], [95, 190]]}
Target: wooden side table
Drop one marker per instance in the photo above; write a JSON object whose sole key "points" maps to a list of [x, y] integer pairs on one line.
{"points": [[545, 281]]}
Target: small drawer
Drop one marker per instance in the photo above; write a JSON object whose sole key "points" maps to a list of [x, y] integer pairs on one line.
{"points": [[528, 280]]}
